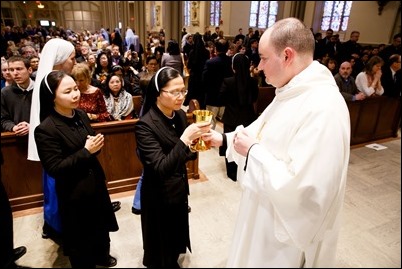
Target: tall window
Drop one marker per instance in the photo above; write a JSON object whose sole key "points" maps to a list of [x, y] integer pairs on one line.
{"points": [[336, 15], [81, 15], [187, 13], [263, 13], [7, 17], [215, 12]]}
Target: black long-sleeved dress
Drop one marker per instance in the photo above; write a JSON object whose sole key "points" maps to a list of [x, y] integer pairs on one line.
{"points": [[85, 208], [165, 189]]}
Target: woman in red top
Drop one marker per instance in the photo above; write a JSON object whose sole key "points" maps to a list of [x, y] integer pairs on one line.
{"points": [[91, 101]]}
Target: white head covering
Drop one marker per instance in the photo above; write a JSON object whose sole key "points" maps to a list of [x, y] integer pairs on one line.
{"points": [[130, 36], [105, 34], [56, 51]]}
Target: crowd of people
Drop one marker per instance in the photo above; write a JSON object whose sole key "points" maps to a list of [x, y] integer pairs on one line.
{"points": [[56, 83], [361, 71]]}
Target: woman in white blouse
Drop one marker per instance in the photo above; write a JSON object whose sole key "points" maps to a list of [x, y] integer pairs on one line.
{"points": [[369, 80]]}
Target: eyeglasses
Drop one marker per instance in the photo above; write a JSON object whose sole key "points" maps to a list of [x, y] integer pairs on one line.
{"points": [[177, 93]]}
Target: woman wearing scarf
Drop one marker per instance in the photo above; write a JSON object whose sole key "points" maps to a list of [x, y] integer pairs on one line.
{"points": [[119, 103]]}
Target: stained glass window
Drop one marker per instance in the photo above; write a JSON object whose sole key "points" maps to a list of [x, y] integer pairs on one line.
{"points": [[336, 15], [215, 12], [187, 13], [263, 13]]}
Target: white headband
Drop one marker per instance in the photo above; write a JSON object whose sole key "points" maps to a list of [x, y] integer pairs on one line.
{"points": [[156, 77], [234, 57], [47, 85]]}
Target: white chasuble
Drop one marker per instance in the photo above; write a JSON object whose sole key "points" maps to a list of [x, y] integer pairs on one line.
{"points": [[294, 182]]}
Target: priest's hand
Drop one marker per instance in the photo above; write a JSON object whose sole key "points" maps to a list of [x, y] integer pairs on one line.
{"points": [[242, 142], [213, 137]]}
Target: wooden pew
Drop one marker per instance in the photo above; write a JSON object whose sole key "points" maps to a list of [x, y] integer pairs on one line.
{"points": [[137, 100], [374, 118], [23, 179], [193, 105], [371, 119]]}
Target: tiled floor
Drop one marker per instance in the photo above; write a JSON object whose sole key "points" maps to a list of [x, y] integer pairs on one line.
{"points": [[370, 234]]}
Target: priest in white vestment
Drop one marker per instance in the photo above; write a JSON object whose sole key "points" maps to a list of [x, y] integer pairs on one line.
{"points": [[292, 161]]}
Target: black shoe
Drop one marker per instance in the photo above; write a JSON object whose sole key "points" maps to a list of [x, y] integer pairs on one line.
{"points": [[45, 231], [116, 206], [46, 235], [135, 211], [109, 262], [19, 252], [49, 232]]}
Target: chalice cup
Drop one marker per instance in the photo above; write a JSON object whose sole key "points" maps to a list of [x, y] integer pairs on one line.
{"points": [[201, 115]]}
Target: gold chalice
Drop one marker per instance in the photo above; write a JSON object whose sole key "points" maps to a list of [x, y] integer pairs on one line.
{"points": [[206, 116]]}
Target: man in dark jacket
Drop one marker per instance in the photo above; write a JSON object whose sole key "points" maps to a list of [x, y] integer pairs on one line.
{"points": [[391, 76], [346, 83], [215, 70], [16, 98], [393, 48], [350, 48]]}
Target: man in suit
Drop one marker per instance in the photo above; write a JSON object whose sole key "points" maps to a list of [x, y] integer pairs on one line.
{"points": [[346, 83], [239, 35], [85, 50], [115, 55], [391, 76], [215, 35], [215, 70], [252, 52], [321, 44], [350, 47], [393, 48]]}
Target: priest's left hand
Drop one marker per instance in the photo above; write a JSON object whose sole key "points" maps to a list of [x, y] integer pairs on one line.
{"points": [[243, 141]]}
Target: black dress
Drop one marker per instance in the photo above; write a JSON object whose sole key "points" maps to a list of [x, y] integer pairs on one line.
{"points": [[165, 189], [85, 208]]}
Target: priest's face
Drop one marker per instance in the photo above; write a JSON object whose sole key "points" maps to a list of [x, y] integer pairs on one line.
{"points": [[272, 63]]}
